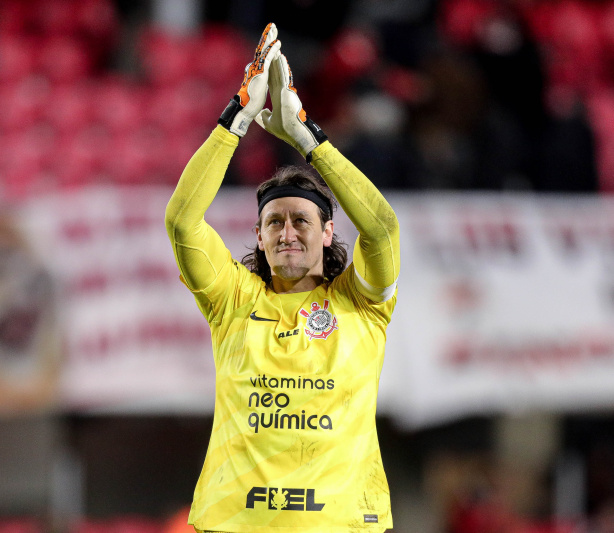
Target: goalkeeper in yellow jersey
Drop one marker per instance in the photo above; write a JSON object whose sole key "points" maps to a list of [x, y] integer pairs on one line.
{"points": [[298, 338]]}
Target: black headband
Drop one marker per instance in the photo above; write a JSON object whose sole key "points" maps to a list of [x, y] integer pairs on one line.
{"points": [[283, 191]]}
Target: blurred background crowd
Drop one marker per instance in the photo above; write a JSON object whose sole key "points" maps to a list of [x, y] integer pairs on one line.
{"points": [[422, 95], [450, 94]]}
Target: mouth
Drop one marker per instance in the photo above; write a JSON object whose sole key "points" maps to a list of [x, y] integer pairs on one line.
{"points": [[289, 251]]}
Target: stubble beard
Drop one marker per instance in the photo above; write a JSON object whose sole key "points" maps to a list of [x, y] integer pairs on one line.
{"points": [[290, 272]]}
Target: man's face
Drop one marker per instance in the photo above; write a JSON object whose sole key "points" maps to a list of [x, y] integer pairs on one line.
{"points": [[293, 241]]}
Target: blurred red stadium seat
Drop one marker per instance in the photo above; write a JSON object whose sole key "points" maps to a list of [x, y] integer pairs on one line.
{"points": [[118, 104], [64, 59], [601, 116], [27, 103], [71, 107], [81, 157], [539, 16], [461, 21], [97, 20], [166, 58], [53, 17], [17, 58], [569, 34], [37, 143], [171, 109], [138, 156], [607, 34], [178, 109], [13, 17], [221, 55], [99, 27]]}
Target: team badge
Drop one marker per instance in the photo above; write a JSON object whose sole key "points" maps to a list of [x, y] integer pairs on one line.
{"points": [[320, 322]]}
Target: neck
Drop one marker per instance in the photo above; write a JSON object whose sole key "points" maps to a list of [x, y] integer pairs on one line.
{"points": [[287, 286]]}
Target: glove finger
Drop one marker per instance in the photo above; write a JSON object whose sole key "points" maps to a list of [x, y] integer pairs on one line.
{"points": [[268, 36], [286, 74], [270, 54], [258, 67], [288, 82], [263, 118], [255, 68], [272, 35], [274, 80]]}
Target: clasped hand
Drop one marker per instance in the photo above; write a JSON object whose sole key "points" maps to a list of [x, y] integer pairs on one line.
{"points": [[288, 120]]}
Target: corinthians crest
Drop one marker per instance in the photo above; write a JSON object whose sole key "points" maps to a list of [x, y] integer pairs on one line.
{"points": [[320, 322]]}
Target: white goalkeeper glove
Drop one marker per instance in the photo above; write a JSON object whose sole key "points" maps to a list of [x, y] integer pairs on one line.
{"points": [[250, 99], [288, 120]]}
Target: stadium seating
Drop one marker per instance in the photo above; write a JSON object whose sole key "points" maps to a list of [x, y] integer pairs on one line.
{"points": [[110, 125]]}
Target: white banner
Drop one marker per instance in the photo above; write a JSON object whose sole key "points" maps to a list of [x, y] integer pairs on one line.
{"points": [[505, 303], [134, 339]]}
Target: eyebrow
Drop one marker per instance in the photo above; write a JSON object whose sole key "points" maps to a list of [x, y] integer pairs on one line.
{"points": [[293, 214]]}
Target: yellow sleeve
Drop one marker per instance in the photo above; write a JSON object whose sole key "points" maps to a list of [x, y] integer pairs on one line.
{"points": [[199, 251], [377, 250]]}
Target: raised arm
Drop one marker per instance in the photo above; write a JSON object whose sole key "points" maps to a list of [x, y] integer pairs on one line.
{"points": [[377, 250], [197, 247]]}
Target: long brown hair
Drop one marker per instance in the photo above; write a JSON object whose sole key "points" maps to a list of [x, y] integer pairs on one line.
{"points": [[335, 255]]}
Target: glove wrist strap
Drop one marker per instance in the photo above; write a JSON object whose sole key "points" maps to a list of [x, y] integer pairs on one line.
{"points": [[317, 133], [229, 114]]}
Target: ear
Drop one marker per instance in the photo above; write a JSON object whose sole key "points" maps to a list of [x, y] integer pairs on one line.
{"points": [[259, 236], [329, 228]]}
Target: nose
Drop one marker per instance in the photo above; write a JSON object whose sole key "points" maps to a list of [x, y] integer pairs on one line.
{"points": [[288, 233]]}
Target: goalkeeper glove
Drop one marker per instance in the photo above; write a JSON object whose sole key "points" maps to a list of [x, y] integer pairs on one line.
{"points": [[250, 99], [288, 120]]}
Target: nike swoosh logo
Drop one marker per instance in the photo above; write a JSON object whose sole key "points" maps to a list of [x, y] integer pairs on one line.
{"points": [[259, 318]]}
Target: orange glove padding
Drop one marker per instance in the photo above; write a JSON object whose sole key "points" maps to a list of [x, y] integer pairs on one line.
{"points": [[250, 99]]}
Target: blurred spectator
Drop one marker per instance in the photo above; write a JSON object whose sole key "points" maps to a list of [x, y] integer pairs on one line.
{"points": [[457, 94], [378, 144], [29, 337], [603, 519], [523, 144]]}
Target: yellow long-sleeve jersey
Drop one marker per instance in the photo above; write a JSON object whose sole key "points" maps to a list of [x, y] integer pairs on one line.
{"points": [[294, 443]]}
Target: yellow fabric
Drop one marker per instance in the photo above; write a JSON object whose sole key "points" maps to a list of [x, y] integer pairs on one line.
{"points": [[294, 442], [377, 250], [191, 237], [278, 373]]}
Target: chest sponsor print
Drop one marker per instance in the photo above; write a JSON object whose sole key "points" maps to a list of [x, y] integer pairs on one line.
{"points": [[320, 321]]}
